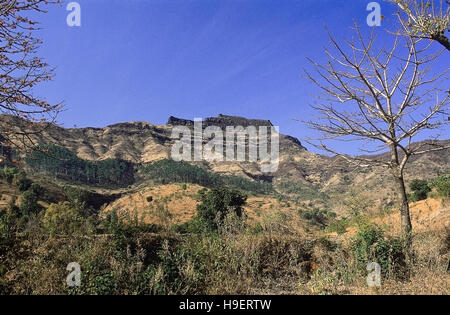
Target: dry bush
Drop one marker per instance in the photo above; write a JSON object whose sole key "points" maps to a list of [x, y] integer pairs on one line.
{"points": [[335, 271]]}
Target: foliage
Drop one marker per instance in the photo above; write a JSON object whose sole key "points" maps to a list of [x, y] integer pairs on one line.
{"points": [[168, 171], [216, 204], [442, 185], [370, 245], [23, 183], [316, 216], [8, 173], [63, 164], [303, 191], [420, 189], [29, 203], [63, 218], [120, 257]]}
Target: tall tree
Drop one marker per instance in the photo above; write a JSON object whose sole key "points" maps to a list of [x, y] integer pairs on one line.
{"points": [[384, 96], [425, 19], [21, 69]]}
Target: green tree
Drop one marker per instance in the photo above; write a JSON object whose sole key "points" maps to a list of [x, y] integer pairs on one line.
{"points": [[63, 217], [29, 203], [217, 204]]}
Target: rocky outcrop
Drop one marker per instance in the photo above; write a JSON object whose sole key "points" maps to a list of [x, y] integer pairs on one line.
{"points": [[220, 121]]}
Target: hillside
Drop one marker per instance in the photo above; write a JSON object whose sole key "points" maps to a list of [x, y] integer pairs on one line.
{"points": [[112, 199], [135, 151]]}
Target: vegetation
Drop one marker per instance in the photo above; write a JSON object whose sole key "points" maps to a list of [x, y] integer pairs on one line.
{"points": [[170, 171], [8, 173], [420, 189], [29, 204], [302, 191], [318, 217], [442, 185], [217, 252], [63, 164], [63, 218], [370, 244], [124, 258], [22, 69], [217, 205], [364, 100]]}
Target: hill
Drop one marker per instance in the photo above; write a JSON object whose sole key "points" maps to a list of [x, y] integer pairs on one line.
{"points": [[124, 156]]}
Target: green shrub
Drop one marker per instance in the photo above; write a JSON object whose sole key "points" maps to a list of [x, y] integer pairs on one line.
{"points": [[86, 199], [23, 183], [339, 226], [370, 245], [29, 203], [420, 189], [180, 270], [318, 217], [63, 218], [442, 185], [302, 191], [217, 203], [8, 173]]}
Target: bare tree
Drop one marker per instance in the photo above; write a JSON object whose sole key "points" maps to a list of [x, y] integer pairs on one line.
{"points": [[384, 96], [425, 19], [20, 71]]}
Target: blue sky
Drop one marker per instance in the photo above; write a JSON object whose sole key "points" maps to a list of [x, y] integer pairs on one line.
{"points": [[144, 60]]}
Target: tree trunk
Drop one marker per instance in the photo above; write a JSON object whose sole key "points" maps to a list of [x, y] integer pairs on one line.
{"points": [[404, 207], [397, 172]]}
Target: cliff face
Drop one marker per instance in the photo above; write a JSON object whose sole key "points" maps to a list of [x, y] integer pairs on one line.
{"points": [[221, 121]]}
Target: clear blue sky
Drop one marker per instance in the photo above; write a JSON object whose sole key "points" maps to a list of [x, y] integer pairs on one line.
{"points": [[144, 60]]}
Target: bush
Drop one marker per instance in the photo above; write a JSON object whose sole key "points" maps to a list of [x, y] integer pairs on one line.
{"points": [[370, 245], [63, 218], [339, 226], [23, 183], [317, 216], [29, 203], [442, 185], [420, 189], [217, 204], [8, 173]]}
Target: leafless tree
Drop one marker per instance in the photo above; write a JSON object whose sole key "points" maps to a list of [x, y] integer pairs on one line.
{"points": [[384, 96], [20, 71], [425, 19]]}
